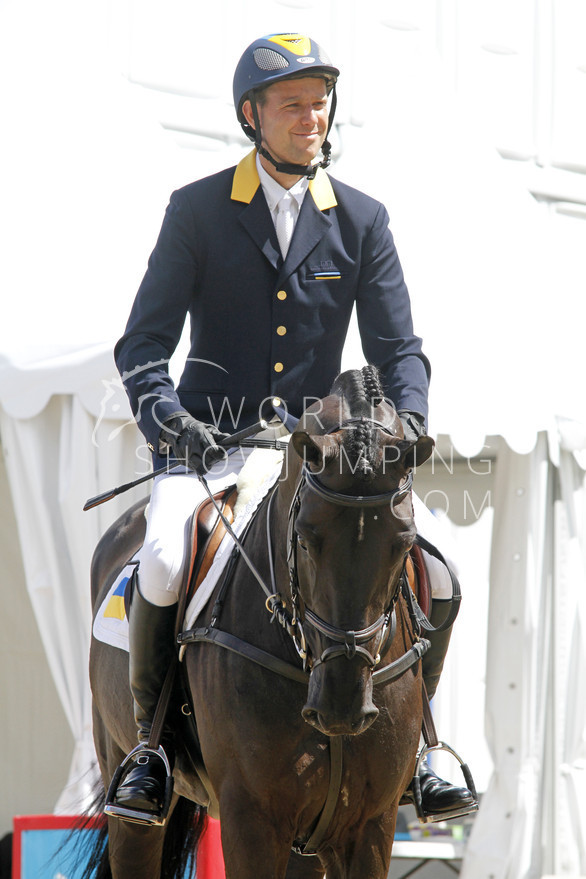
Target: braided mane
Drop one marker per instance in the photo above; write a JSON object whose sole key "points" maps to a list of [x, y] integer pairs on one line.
{"points": [[362, 392]]}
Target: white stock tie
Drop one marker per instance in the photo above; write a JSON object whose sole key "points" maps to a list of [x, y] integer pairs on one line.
{"points": [[285, 222]]}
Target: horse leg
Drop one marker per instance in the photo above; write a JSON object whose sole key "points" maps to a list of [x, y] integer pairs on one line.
{"points": [[254, 843], [367, 854], [135, 850], [304, 868]]}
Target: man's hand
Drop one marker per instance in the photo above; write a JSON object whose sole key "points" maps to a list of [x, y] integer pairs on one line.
{"points": [[413, 424], [194, 443]]}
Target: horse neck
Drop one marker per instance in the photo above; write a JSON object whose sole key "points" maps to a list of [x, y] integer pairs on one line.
{"points": [[279, 520]]}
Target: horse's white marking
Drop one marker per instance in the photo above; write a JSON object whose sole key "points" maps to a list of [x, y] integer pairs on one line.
{"points": [[303, 764]]}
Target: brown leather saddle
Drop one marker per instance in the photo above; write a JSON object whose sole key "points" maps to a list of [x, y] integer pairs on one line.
{"points": [[418, 578], [207, 532]]}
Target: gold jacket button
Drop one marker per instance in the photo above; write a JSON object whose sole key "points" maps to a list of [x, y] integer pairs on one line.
{"points": [[278, 367], [281, 295], [281, 331]]}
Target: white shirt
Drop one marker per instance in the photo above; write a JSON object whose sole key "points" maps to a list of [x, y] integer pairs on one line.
{"points": [[274, 192]]}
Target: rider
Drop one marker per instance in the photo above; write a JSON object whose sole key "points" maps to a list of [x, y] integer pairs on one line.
{"points": [[268, 259]]}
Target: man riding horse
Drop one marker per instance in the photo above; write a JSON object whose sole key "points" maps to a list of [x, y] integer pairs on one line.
{"points": [[268, 259]]}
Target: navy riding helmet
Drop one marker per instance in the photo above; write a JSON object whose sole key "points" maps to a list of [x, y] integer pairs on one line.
{"points": [[272, 59]]}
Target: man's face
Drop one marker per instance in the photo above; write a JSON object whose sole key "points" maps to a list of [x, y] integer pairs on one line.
{"points": [[293, 119]]}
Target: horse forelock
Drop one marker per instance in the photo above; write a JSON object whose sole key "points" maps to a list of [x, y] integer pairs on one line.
{"points": [[362, 397], [351, 417]]}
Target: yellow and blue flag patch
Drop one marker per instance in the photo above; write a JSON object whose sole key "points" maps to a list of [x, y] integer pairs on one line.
{"points": [[115, 606], [111, 624]]}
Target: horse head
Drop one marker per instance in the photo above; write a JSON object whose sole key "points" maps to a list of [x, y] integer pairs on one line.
{"points": [[350, 528]]}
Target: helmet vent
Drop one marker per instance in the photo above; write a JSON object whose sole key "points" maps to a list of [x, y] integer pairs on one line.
{"points": [[267, 59]]}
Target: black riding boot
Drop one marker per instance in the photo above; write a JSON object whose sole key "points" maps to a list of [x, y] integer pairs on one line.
{"points": [[151, 641], [433, 660], [439, 797]]}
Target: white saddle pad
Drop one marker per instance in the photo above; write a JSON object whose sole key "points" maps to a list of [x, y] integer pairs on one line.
{"points": [[255, 480], [110, 623]]}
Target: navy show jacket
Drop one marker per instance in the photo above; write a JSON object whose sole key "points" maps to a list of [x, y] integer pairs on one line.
{"points": [[262, 328]]}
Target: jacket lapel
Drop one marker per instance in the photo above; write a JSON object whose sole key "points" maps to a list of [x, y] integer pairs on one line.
{"points": [[257, 221], [311, 226], [312, 223], [255, 217]]}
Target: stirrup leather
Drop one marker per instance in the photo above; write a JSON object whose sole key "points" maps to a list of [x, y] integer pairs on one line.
{"points": [[429, 818], [138, 816]]}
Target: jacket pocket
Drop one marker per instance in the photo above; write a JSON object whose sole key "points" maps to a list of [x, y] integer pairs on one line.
{"points": [[333, 275]]}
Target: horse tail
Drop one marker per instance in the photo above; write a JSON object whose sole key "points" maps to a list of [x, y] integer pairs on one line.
{"points": [[91, 849], [182, 834]]}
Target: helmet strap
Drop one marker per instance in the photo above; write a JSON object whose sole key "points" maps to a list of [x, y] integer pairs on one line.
{"points": [[308, 171]]}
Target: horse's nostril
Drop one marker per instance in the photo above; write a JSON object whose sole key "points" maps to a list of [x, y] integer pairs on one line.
{"points": [[310, 716], [343, 726], [363, 723]]}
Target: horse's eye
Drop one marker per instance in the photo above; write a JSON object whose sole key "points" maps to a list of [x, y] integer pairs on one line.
{"points": [[301, 542]]}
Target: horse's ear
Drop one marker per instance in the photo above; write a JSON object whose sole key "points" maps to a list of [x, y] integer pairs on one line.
{"points": [[418, 452], [316, 450]]}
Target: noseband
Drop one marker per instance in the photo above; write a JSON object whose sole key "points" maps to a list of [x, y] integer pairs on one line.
{"points": [[350, 641]]}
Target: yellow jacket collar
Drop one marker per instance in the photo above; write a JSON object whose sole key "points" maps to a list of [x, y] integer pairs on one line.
{"points": [[246, 182]]}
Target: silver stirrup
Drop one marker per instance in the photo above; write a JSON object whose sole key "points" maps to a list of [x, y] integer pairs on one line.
{"points": [[137, 816], [429, 818]]}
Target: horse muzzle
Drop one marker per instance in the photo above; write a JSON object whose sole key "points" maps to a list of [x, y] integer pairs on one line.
{"points": [[339, 703]]}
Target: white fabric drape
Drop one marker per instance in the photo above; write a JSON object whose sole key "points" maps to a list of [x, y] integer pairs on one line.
{"points": [[566, 829], [56, 459], [531, 821]]}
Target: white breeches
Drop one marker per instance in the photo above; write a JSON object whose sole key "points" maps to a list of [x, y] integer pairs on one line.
{"points": [[176, 495], [173, 499]]}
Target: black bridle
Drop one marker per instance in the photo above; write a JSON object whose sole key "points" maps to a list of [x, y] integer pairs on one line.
{"points": [[350, 641]]}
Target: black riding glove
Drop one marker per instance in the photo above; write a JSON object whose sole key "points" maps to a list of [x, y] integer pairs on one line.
{"points": [[193, 443], [413, 424]]}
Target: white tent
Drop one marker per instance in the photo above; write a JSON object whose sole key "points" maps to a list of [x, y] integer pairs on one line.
{"points": [[494, 283]]}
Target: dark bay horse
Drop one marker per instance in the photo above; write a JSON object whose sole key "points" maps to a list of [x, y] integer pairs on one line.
{"points": [[308, 751]]}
